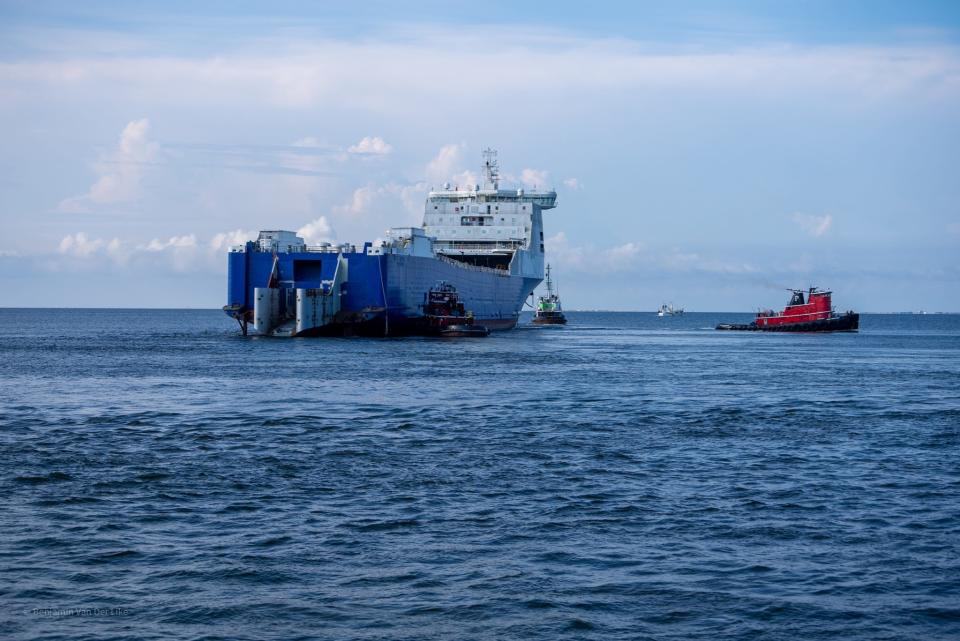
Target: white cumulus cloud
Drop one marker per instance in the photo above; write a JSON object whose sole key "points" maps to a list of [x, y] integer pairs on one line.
{"points": [[80, 245], [412, 196], [359, 202], [538, 178], [179, 252], [173, 243], [447, 166], [371, 146], [182, 253], [121, 171], [590, 258], [561, 251], [225, 240], [622, 256], [442, 166], [316, 231]]}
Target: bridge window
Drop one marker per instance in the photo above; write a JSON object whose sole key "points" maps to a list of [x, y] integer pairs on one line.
{"points": [[476, 221]]}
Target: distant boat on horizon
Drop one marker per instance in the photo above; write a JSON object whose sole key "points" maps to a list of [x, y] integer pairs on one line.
{"points": [[669, 310]]}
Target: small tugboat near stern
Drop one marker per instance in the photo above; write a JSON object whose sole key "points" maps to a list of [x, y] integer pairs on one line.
{"points": [[444, 314], [549, 310], [815, 314]]}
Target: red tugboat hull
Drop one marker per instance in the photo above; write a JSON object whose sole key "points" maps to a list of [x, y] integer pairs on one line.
{"points": [[849, 322], [812, 315]]}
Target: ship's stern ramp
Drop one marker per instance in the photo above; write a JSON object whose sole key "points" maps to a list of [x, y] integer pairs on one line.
{"points": [[300, 311], [318, 307]]}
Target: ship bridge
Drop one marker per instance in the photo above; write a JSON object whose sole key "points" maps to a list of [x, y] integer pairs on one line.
{"points": [[486, 225]]}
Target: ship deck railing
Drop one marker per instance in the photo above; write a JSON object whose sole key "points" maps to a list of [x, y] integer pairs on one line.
{"points": [[332, 249], [480, 248], [476, 268]]}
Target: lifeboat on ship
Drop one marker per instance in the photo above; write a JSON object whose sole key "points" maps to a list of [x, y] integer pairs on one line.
{"points": [[807, 311]]}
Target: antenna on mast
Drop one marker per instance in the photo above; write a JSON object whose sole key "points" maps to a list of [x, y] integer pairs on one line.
{"points": [[491, 169]]}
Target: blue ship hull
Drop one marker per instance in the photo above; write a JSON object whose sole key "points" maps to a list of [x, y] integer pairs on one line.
{"points": [[384, 293]]}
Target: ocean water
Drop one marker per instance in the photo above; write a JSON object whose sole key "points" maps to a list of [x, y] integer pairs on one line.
{"points": [[623, 477]]}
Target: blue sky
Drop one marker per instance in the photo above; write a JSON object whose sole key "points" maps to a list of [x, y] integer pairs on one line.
{"points": [[705, 153]]}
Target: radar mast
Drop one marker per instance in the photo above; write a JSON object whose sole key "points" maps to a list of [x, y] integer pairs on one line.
{"points": [[491, 170]]}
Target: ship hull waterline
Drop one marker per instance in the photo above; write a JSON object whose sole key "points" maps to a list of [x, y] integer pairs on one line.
{"points": [[549, 321]]}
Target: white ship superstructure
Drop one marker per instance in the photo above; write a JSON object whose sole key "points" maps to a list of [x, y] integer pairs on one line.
{"points": [[488, 226]]}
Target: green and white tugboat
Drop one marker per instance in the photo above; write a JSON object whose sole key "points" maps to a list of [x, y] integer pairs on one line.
{"points": [[549, 310]]}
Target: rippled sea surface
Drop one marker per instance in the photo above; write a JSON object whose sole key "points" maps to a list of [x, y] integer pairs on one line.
{"points": [[623, 477]]}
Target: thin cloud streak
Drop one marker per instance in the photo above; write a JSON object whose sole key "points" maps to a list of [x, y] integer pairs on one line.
{"points": [[307, 75], [815, 226]]}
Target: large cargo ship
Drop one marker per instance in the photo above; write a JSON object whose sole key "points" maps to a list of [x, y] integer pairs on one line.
{"points": [[485, 241]]}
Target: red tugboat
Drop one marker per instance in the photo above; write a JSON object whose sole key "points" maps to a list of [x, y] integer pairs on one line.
{"points": [[815, 314], [444, 315]]}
